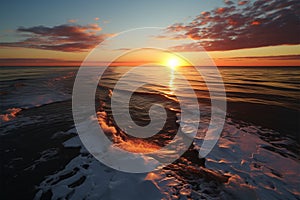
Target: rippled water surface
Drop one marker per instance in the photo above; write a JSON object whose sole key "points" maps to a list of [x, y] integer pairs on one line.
{"points": [[256, 157]]}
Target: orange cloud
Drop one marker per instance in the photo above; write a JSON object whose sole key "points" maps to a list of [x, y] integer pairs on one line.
{"points": [[228, 2], [258, 24], [67, 38], [241, 3], [284, 60], [255, 23], [72, 20]]}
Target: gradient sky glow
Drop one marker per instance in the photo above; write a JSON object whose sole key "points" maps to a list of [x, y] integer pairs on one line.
{"points": [[235, 33]]}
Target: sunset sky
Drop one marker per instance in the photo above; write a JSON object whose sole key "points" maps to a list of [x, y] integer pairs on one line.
{"points": [[234, 33]]}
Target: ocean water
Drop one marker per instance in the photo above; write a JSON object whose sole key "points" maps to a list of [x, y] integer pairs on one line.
{"points": [[256, 157]]}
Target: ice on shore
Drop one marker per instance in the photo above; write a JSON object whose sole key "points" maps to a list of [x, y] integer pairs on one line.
{"points": [[257, 169]]}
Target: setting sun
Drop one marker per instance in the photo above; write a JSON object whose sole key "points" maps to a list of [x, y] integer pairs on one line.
{"points": [[173, 63]]}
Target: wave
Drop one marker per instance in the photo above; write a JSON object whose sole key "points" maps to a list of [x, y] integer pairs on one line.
{"points": [[25, 93], [10, 114], [253, 85]]}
